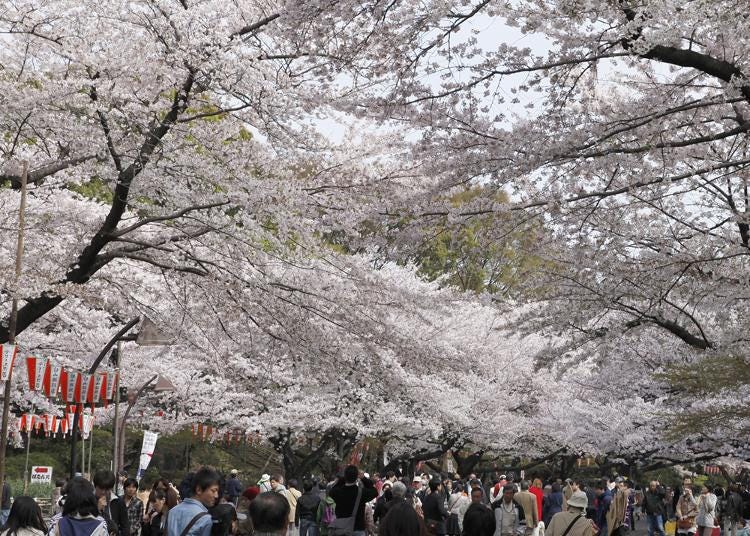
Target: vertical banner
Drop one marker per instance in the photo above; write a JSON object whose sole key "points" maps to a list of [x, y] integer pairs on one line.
{"points": [[112, 384], [99, 384], [88, 425], [71, 382], [52, 377], [147, 452], [36, 368], [8, 357], [82, 388]]}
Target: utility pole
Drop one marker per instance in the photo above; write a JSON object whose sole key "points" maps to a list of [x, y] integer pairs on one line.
{"points": [[13, 324]]}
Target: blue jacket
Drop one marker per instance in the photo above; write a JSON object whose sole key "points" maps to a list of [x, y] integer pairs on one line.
{"points": [[179, 517], [602, 507], [234, 487]]}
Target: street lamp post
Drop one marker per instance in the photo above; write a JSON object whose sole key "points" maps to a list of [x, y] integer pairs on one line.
{"points": [[148, 335], [163, 385], [74, 433]]}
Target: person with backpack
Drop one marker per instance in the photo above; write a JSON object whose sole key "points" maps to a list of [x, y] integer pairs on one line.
{"points": [[326, 514], [191, 517], [350, 494], [307, 510], [80, 514], [25, 519]]}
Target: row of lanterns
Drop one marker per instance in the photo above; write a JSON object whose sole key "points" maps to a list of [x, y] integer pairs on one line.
{"points": [[55, 381]]}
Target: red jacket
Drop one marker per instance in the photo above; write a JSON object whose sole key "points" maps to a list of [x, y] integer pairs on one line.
{"points": [[539, 499]]}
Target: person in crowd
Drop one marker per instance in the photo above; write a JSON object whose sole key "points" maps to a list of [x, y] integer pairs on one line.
{"points": [[292, 495], [686, 510], [478, 519], [593, 499], [111, 509], [508, 513], [553, 503], [223, 516], [603, 502], [80, 513], [433, 507], [326, 513], [653, 505], [191, 516], [349, 490], [496, 490], [418, 487], [732, 511], [264, 484], [706, 518], [5, 503], [172, 494], [527, 501], [25, 519], [399, 495], [307, 510], [572, 521], [185, 486], [381, 502], [277, 485], [156, 514], [234, 487], [122, 476], [270, 514], [617, 513], [475, 483], [458, 503], [133, 506], [402, 520], [536, 489], [56, 495], [567, 491]]}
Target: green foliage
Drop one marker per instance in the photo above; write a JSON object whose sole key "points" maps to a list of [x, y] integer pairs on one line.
{"points": [[716, 378], [470, 258], [95, 189], [33, 490]]}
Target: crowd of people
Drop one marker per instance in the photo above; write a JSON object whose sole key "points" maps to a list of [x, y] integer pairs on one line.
{"points": [[355, 504]]}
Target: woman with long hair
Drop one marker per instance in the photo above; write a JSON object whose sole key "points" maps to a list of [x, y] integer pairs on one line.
{"points": [[156, 514], [25, 519], [80, 515], [173, 497]]}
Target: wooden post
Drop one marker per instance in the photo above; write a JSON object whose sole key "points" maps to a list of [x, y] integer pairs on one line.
{"points": [[13, 324]]}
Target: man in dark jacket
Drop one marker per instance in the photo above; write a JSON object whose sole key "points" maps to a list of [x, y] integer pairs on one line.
{"points": [[603, 502], [344, 493], [653, 505], [434, 510], [307, 510], [233, 487], [112, 510], [478, 519]]}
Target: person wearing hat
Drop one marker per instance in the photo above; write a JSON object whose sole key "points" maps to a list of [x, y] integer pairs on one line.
{"points": [[381, 504], [233, 487], [573, 521], [418, 487], [264, 484]]}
